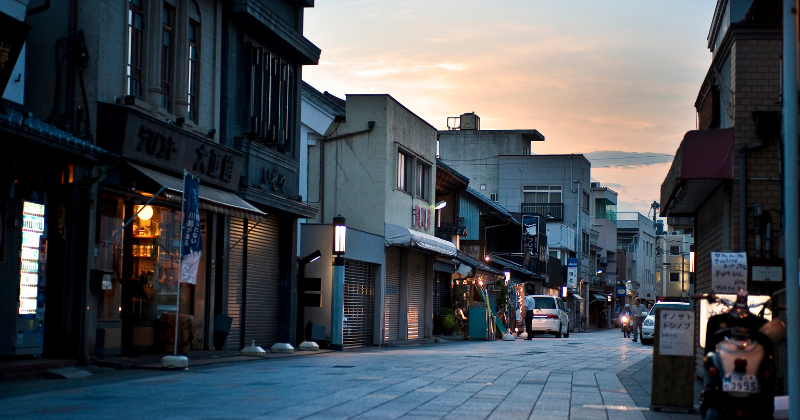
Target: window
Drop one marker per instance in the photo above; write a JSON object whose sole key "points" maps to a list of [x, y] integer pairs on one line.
{"points": [[135, 30], [585, 202], [493, 197], [585, 243], [191, 100], [541, 194], [422, 180], [674, 277], [674, 250], [403, 171], [272, 97], [167, 23]]}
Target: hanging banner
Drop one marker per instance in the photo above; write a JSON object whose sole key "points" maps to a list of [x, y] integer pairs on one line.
{"points": [[192, 241]]}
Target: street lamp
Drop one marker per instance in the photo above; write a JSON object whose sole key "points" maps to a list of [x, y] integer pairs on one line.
{"points": [[337, 297]]}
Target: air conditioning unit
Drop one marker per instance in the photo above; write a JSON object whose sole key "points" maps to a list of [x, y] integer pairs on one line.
{"points": [[470, 121], [493, 197]]}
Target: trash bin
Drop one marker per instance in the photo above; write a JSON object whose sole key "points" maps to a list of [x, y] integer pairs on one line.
{"points": [[222, 327]]}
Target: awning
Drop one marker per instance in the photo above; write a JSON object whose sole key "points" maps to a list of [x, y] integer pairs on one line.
{"points": [[703, 160], [598, 296], [577, 297], [211, 199], [398, 235]]}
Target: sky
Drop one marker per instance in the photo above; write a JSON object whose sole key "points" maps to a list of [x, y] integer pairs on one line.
{"points": [[615, 80]]}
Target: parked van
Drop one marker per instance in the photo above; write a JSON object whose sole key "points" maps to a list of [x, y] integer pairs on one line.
{"points": [[550, 316]]}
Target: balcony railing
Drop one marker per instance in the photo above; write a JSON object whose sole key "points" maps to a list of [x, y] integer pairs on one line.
{"points": [[551, 211]]}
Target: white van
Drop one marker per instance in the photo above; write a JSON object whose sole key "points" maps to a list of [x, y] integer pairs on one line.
{"points": [[550, 316]]}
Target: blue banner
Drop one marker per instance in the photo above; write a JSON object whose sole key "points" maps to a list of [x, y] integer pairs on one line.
{"points": [[191, 239]]}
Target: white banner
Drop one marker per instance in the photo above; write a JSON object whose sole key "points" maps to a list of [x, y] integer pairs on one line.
{"points": [[675, 332]]}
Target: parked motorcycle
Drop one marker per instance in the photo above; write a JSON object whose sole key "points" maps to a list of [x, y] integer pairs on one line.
{"points": [[739, 367]]}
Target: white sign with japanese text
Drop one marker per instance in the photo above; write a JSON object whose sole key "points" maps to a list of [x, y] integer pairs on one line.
{"points": [[728, 271], [675, 332]]}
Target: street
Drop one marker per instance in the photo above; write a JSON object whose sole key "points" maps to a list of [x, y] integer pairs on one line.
{"points": [[546, 378]]}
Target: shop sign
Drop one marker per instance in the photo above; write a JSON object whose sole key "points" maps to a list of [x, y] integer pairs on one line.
{"points": [[675, 332], [728, 272], [147, 140], [421, 217], [12, 39], [572, 273], [530, 229]]}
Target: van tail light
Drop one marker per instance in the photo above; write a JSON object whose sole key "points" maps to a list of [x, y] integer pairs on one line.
{"points": [[551, 316]]}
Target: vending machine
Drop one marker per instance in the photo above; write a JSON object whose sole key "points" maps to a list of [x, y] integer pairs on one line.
{"points": [[23, 255]]}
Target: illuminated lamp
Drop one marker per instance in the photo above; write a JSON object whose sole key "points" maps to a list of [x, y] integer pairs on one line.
{"points": [[144, 212]]}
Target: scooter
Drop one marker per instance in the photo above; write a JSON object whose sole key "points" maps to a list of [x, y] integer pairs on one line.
{"points": [[625, 320], [739, 367]]}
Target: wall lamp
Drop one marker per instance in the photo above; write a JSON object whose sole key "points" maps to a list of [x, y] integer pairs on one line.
{"points": [[310, 258], [339, 235], [440, 205]]}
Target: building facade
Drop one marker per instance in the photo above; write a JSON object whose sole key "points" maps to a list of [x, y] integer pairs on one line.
{"points": [[636, 235]]}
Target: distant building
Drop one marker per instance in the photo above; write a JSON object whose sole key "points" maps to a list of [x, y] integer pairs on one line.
{"points": [[636, 236]]}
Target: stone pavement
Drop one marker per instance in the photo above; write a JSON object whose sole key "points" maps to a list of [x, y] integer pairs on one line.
{"points": [[546, 378]]}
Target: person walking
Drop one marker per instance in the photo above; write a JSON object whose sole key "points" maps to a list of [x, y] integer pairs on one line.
{"points": [[639, 313], [530, 303]]}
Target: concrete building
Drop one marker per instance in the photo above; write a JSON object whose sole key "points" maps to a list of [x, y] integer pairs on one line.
{"points": [[636, 236], [676, 261], [377, 168], [603, 258], [207, 87]]}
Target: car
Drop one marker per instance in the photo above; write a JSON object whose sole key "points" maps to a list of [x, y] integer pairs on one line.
{"points": [[649, 324], [550, 316]]}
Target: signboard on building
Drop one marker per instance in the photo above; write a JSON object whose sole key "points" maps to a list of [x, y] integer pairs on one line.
{"points": [[530, 230], [572, 273], [728, 271], [421, 217]]}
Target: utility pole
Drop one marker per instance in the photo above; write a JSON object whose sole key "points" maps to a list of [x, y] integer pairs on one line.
{"points": [[790, 209]]}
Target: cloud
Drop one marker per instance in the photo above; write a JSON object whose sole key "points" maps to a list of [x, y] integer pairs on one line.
{"points": [[621, 159]]}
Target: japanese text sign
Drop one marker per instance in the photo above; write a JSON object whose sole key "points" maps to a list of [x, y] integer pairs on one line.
{"points": [[675, 332], [728, 271], [191, 239]]}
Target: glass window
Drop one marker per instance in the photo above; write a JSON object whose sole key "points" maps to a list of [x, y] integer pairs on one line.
{"points": [[674, 277], [135, 44], [422, 181], [167, 14], [542, 194], [403, 171], [194, 43], [109, 257]]}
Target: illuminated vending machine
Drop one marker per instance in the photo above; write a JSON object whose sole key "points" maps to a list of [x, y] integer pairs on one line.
{"points": [[23, 251]]}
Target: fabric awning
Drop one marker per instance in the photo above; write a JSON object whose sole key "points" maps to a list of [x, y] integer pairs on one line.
{"points": [[703, 160], [211, 199], [398, 235]]}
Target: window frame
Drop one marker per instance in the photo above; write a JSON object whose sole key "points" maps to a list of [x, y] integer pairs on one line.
{"points": [[677, 276], [167, 56], [550, 190], [422, 179], [272, 99], [192, 54], [403, 171], [135, 55]]}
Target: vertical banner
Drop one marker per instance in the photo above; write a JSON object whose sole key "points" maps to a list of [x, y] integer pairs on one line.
{"points": [[530, 230], [191, 239], [572, 273]]}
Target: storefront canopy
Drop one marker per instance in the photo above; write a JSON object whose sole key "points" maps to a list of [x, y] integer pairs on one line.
{"points": [[211, 199], [702, 162], [398, 235]]}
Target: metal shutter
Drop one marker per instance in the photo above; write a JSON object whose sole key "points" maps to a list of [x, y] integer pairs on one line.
{"points": [[416, 295], [391, 318], [235, 281], [263, 283], [359, 303]]}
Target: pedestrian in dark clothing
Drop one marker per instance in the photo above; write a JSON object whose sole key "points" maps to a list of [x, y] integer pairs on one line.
{"points": [[530, 303]]}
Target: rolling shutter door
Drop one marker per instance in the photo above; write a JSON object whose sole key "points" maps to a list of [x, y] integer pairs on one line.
{"points": [[263, 283], [391, 318], [416, 295], [359, 303], [235, 281]]}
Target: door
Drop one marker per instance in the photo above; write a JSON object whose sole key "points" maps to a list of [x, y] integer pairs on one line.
{"points": [[391, 320]]}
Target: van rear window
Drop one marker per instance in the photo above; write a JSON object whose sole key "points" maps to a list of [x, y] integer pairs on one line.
{"points": [[544, 303]]}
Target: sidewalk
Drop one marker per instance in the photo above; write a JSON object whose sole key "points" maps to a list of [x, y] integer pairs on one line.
{"points": [[638, 381]]}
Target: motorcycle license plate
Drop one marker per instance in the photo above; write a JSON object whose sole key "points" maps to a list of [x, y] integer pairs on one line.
{"points": [[740, 383]]}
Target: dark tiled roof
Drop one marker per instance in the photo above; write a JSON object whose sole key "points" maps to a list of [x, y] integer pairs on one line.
{"points": [[14, 120], [494, 206]]}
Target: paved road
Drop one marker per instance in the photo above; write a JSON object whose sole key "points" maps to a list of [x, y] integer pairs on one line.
{"points": [[546, 378]]}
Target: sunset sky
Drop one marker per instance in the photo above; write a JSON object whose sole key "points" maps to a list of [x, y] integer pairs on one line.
{"points": [[613, 79]]}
